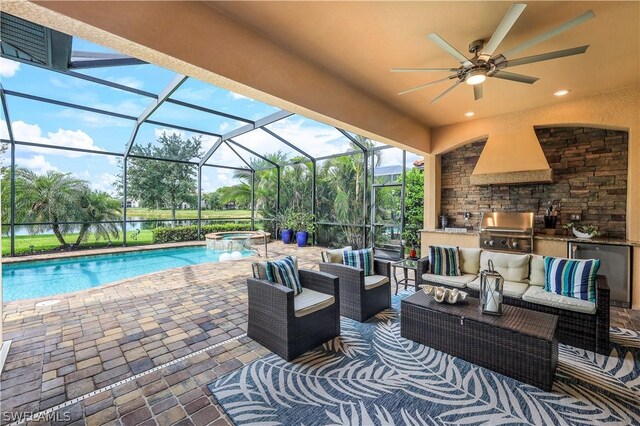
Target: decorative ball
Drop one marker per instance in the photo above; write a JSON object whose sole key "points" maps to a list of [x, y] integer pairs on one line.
{"points": [[225, 257], [236, 255]]}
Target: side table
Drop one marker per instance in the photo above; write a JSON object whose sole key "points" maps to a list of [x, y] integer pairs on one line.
{"points": [[405, 264]]}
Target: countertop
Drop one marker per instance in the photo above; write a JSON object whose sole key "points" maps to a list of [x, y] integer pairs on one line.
{"points": [[561, 238]]}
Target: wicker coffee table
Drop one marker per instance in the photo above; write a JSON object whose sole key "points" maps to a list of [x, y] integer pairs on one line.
{"points": [[521, 344]]}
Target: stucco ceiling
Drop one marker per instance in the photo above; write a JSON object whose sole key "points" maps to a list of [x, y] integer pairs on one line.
{"points": [[361, 41]]}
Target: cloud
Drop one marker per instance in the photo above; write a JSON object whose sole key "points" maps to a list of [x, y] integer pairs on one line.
{"points": [[61, 138], [37, 163], [8, 68], [128, 81], [104, 183], [93, 119], [237, 96]]}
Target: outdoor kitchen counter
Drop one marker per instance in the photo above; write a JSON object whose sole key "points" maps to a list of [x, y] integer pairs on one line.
{"points": [[572, 239]]}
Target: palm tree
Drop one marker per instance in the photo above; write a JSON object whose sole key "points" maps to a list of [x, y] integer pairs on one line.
{"points": [[50, 198], [98, 209]]}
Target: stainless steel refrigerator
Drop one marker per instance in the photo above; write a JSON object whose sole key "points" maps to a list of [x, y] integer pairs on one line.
{"points": [[615, 264]]}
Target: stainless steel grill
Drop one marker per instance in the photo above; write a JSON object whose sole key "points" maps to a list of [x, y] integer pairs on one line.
{"points": [[507, 231]]}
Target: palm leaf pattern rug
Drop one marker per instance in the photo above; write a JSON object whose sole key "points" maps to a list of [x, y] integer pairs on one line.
{"points": [[371, 376]]}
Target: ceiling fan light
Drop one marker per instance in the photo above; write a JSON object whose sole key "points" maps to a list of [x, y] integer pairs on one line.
{"points": [[476, 77]]}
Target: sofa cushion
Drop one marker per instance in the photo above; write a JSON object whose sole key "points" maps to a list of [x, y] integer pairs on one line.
{"points": [[512, 267], [361, 259], [469, 260], [373, 281], [536, 270], [259, 269], [510, 288], [538, 295], [333, 255], [310, 301], [284, 272], [460, 281], [571, 277], [444, 260]]}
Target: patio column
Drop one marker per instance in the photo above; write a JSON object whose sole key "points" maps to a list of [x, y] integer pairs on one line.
{"points": [[199, 201]]}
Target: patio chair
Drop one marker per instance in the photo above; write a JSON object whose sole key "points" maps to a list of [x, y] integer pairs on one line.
{"points": [[291, 325], [361, 297]]}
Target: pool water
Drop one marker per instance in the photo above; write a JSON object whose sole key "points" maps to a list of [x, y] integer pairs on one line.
{"points": [[27, 280], [235, 236]]}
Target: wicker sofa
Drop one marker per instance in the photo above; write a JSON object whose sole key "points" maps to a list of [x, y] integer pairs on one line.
{"points": [[361, 297], [288, 325], [581, 323]]}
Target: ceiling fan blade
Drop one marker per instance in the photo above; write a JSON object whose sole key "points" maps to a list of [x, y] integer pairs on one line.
{"points": [[434, 100], [545, 56], [501, 32], [477, 91], [449, 49], [520, 78], [422, 69], [549, 34], [423, 86]]}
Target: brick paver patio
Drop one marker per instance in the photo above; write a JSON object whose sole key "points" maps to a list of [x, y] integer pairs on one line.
{"points": [[98, 337]]}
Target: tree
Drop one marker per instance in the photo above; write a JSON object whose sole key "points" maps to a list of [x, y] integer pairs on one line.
{"points": [[163, 184], [413, 206], [213, 199], [52, 198], [96, 208]]}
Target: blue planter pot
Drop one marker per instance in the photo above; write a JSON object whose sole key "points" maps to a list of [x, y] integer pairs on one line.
{"points": [[287, 236], [301, 238]]}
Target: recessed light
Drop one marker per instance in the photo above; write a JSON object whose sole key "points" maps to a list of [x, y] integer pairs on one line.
{"points": [[469, 114], [561, 92]]}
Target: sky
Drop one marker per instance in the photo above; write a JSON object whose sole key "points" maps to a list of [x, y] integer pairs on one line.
{"points": [[34, 121]]}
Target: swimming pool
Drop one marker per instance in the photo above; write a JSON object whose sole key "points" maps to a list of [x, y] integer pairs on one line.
{"points": [[27, 280]]}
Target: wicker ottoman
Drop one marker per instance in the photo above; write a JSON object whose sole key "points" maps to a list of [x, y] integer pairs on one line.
{"points": [[521, 344]]}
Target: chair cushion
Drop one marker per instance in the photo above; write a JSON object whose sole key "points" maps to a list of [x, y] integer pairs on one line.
{"points": [[469, 260], [460, 281], [538, 295], [284, 272], [373, 281], [361, 259], [444, 260], [571, 277], [334, 255], [259, 269], [310, 301], [510, 288], [512, 267], [536, 270]]}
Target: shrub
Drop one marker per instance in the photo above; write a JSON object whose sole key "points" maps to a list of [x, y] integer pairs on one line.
{"points": [[190, 233]]}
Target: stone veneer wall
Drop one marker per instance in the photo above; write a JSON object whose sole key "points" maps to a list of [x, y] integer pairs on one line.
{"points": [[589, 173]]}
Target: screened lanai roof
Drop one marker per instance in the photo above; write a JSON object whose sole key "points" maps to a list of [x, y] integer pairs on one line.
{"points": [[100, 107]]}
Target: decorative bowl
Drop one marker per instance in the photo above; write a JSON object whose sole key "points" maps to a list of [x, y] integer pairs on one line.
{"points": [[582, 235], [445, 295]]}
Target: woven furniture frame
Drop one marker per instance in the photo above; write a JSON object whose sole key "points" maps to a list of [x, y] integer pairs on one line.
{"points": [[356, 302], [586, 331], [521, 344], [272, 321]]}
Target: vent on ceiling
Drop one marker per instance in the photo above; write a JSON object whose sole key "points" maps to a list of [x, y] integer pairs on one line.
{"points": [[25, 41]]}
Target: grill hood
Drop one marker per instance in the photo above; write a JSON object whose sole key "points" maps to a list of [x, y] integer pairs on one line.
{"points": [[512, 159]]}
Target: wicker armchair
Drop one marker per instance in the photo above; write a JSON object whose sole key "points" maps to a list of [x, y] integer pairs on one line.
{"points": [[362, 297], [273, 321], [586, 331]]}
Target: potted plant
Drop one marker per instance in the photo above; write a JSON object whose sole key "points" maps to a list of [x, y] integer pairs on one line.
{"points": [[550, 219], [286, 223], [581, 230], [304, 224], [411, 241]]}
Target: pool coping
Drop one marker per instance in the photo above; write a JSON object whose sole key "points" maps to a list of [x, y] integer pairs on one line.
{"points": [[97, 251]]}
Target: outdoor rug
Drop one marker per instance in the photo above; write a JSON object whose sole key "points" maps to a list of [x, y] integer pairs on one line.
{"points": [[372, 376]]}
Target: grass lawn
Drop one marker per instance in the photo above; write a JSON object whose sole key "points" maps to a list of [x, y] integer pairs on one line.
{"points": [[188, 214], [49, 242]]}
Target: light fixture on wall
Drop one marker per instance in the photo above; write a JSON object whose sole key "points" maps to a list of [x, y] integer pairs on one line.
{"points": [[469, 114], [561, 92]]}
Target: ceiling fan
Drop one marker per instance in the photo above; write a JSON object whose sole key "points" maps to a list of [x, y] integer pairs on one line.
{"points": [[485, 64]]}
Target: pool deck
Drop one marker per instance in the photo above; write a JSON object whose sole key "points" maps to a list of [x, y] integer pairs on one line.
{"points": [[147, 346]]}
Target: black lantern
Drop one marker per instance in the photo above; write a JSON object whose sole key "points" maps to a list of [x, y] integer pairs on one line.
{"points": [[491, 284]]}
